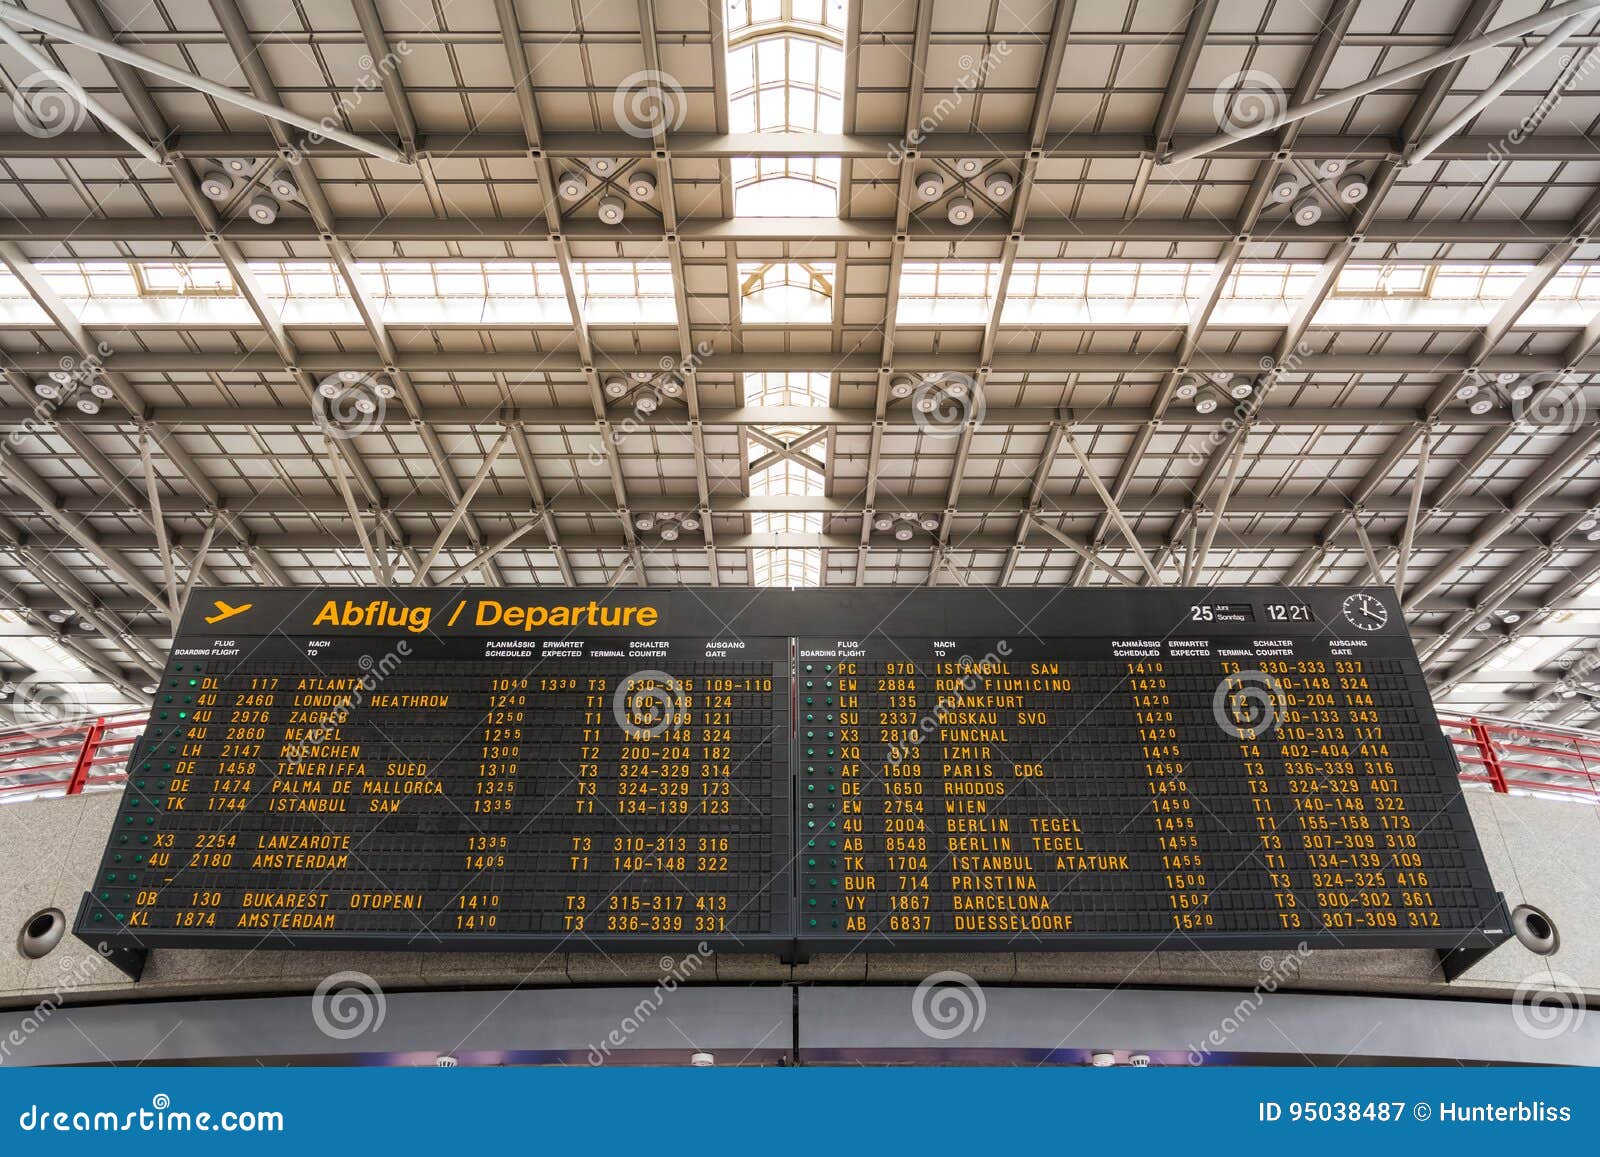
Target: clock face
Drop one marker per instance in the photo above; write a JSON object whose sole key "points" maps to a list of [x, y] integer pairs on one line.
{"points": [[1365, 612]]}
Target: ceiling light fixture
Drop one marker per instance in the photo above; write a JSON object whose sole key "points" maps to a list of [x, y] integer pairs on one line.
{"points": [[1331, 167], [900, 386], [1000, 185], [263, 210], [1307, 211], [216, 184], [1480, 405], [641, 184], [1285, 187], [604, 166], [573, 184], [969, 166], [615, 387], [930, 185], [959, 211], [283, 187], [1353, 189], [611, 210]]}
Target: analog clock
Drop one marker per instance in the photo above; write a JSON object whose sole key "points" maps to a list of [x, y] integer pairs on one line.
{"points": [[1365, 612]]}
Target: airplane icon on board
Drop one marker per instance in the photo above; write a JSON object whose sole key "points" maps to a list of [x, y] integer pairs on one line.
{"points": [[224, 611]]}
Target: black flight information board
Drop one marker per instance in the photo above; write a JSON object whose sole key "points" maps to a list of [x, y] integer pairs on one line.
{"points": [[793, 772]]}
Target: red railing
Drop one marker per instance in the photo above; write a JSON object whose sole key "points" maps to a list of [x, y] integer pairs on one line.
{"points": [[67, 758], [1525, 758]]}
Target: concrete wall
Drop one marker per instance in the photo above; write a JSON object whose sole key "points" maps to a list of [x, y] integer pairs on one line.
{"points": [[1540, 852]]}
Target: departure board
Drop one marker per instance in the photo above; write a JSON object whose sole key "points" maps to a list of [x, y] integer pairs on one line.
{"points": [[795, 771], [421, 768]]}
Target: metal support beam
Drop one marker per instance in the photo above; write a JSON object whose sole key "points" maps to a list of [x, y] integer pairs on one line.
{"points": [[114, 51], [1425, 63], [1112, 508]]}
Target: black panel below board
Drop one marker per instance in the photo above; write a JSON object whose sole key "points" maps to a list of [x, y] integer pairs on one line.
{"points": [[793, 772]]}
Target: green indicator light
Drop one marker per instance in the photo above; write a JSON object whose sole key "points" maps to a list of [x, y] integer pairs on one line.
{"points": [[122, 839], [809, 701], [811, 922], [811, 735], [809, 684], [811, 882], [829, 683], [830, 753], [811, 863], [830, 787], [166, 767], [811, 843], [183, 715], [163, 715], [111, 877], [833, 883], [835, 923], [811, 903], [166, 699], [812, 824], [98, 916], [831, 823], [811, 787], [833, 843], [829, 667], [105, 895], [138, 859], [828, 701], [811, 751], [830, 718], [194, 682], [138, 783], [142, 839], [117, 859], [808, 668], [830, 735], [135, 803], [149, 819], [833, 863], [833, 903], [117, 916], [810, 806]]}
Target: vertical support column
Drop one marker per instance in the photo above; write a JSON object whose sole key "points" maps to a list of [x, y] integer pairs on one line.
{"points": [[86, 753]]}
